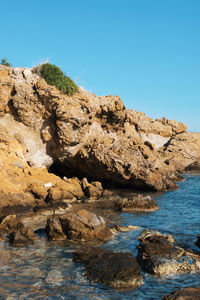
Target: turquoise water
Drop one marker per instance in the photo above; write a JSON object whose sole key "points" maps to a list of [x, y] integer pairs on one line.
{"points": [[45, 270]]}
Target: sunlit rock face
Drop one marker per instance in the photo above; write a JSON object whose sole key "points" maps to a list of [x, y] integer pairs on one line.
{"points": [[158, 255], [83, 136]]}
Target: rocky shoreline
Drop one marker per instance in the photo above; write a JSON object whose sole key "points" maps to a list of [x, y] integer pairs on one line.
{"points": [[58, 154]]}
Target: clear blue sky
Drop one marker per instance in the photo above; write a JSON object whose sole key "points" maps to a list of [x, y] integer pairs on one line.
{"points": [[145, 51]]}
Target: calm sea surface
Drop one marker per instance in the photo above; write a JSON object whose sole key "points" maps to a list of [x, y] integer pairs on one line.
{"points": [[45, 270]]}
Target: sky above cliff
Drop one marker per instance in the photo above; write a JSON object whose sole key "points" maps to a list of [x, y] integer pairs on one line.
{"points": [[145, 51]]}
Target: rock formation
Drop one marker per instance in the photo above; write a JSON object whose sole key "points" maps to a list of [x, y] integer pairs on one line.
{"points": [[136, 203], [157, 255], [42, 129], [78, 225], [119, 270]]}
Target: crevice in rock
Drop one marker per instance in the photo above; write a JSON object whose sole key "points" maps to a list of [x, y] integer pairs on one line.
{"points": [[109, 181], [13, 110]]}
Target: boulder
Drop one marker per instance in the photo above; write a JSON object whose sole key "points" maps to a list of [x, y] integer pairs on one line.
{"points": [[119, 270], [22, 237], [188, 293], [157, 255], [85, 226], [54, 229], [136, 203]]}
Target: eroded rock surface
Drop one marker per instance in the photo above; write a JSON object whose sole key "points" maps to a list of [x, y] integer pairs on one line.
{"points": [[119, 270], [157, 255], [80, 225], [84, 135], [136, 203]]}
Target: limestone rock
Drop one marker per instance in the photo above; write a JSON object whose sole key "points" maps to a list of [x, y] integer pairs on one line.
{"points": [[137, 203], [157, 255], [6, 85], [119, 270], [84, 135], [85, 226]]}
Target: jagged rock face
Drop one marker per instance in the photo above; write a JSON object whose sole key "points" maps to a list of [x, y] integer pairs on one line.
{"points": [[157, 255], [90, 136], [136, 203]]}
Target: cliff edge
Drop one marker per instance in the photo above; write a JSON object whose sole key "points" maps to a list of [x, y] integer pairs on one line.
{"points": [[83, 136]]}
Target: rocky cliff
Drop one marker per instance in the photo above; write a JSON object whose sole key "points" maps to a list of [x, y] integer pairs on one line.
{"points": [[82, 136]]}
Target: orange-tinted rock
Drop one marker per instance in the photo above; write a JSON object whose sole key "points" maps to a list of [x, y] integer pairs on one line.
{"points": [[85, 226], [88, 136]]}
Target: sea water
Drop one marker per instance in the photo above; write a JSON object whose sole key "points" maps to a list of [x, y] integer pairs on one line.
{"points": [[46, 270]]}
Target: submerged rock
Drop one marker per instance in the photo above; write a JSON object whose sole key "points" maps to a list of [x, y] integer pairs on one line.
{"points": [[136, 203], [22, 237], [188, 293], [118, 228], [119, 270], [78, 225], [157, 255]]}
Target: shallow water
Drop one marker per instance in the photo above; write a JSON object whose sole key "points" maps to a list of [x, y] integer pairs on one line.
{"points": [[45, 270]]}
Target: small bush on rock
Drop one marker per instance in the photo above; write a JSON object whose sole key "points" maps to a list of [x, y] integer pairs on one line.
{"points": [[4, 62], [54, 76]]}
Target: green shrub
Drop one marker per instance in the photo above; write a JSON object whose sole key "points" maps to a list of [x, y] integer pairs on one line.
{"points": [[4, 62], [54, 76]]}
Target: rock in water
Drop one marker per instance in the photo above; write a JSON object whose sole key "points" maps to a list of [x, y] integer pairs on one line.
{"points": [[78, 226], [136, 203], [157, 255], [189, 293], [54, 229], [22, 237], [119, 270]]}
